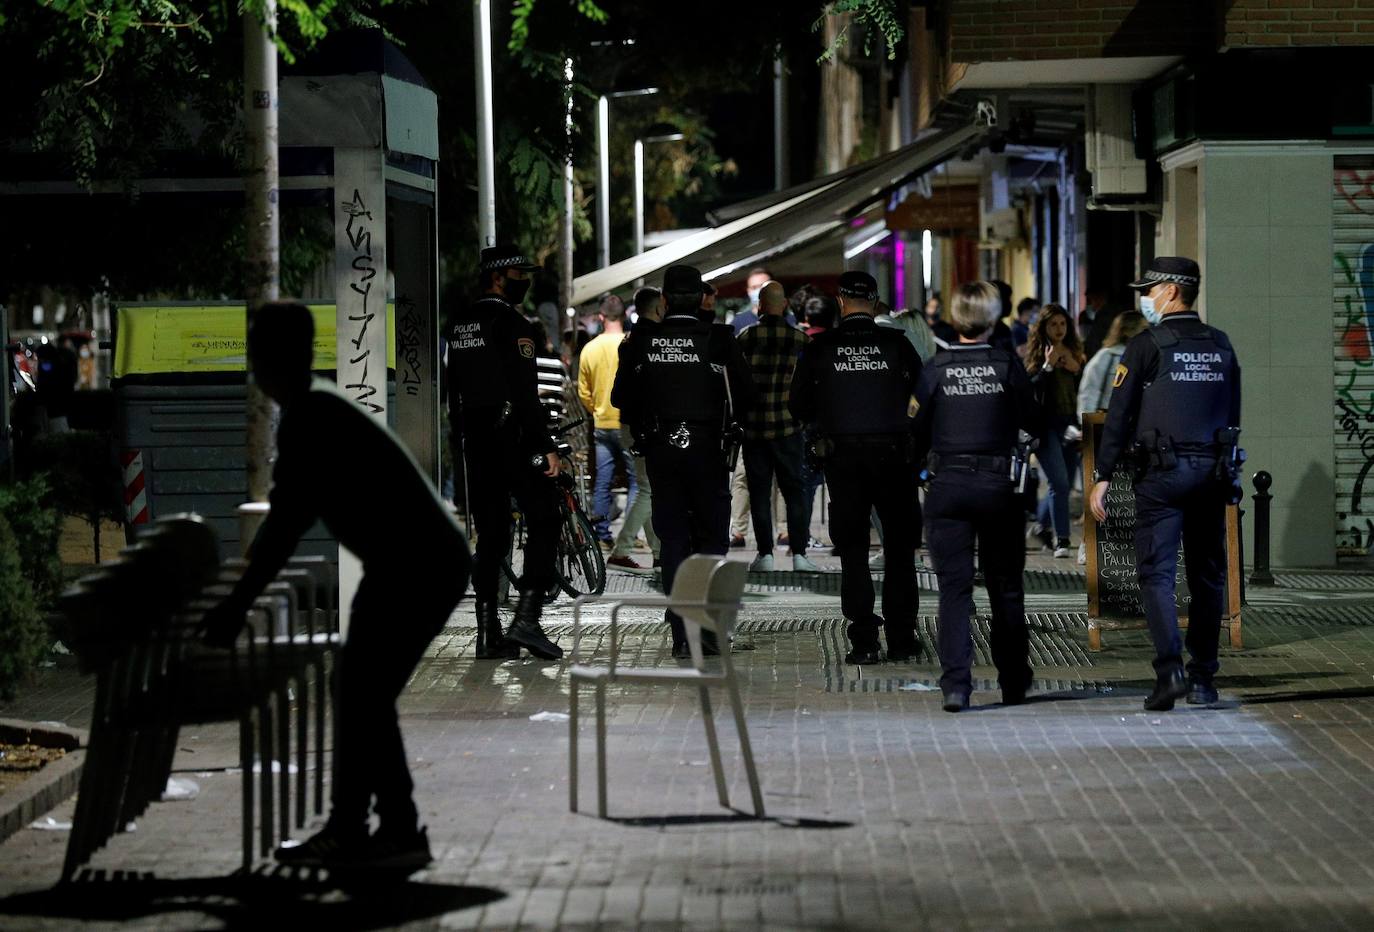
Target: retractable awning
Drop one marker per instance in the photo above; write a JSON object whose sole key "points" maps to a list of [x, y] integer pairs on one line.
{"points": [[753, 231]]}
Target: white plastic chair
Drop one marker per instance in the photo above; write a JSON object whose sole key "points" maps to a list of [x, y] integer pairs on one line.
{"points": [[706, 594]]}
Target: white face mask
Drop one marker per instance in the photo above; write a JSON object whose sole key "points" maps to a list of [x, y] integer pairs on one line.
{"points": [[1147, 308], [754, 296]]}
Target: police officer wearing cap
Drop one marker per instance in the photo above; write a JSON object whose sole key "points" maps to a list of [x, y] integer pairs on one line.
{"points": [[856, 385], [681, 387], [974, 401], [1175, 411], [501, 431]]}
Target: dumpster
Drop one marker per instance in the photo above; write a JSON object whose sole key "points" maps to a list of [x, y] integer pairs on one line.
{"points": [[180, 421]]}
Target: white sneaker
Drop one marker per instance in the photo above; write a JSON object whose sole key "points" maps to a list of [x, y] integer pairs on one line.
{"points": [[1061, 552], [800, 564], [876, 562], [1082, 554], [763, 563]]}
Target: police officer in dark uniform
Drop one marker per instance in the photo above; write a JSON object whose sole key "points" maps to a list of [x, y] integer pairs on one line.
{"points": [[974, 400], [1175, 411], [856, 384], [681, 387], [501, 431]]}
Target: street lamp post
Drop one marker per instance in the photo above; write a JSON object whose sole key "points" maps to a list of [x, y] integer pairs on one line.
{"points": [[486, 170], [660, 133], [603, 175]]}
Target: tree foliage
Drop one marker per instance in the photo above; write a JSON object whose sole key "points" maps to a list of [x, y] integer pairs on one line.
{"points": [[879, 17], [107, 89]]}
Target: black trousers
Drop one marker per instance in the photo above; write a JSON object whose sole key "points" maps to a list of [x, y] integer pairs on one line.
{"points": [[691, 507], [1184, 504], [964, 509], [861, 479], [496, 473], [394, 617], [781, 457]]}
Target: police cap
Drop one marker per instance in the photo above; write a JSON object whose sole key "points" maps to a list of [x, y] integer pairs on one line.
{"points": [[1174, 270], [505, 256], [682, 279], [859, 285]]}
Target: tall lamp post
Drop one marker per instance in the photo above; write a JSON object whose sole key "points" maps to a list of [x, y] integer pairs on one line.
{"points": [[661, 132], [603, 175]]}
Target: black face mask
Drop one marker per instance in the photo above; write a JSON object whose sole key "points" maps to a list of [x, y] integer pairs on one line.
{"points": [[516, 288]]}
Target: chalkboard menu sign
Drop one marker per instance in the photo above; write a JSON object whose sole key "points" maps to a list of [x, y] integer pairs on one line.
{"points": [[1112, 583]]}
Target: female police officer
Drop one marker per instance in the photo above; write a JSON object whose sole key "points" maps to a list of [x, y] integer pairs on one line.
{"points": [[973, 400]]}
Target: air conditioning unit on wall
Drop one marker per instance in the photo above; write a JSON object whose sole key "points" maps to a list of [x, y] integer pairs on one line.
{"points": [[1110, 146]]}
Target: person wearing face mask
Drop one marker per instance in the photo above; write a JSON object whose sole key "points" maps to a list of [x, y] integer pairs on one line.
{"points": [[758, 277], [501, 431], [1175, 409]]}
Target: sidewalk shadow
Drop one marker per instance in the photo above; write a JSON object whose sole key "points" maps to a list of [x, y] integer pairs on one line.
{"points": [[1311, 695], [719, 818], [1059, 695], [281, 898]]}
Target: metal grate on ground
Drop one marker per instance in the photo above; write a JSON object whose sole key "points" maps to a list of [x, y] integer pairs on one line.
{"points": [[1351, 581], [1306, 615], [1036, 582]]}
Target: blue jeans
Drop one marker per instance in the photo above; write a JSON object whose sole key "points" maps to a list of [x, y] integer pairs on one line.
{"points": [[1058, 460], [609, 451]]}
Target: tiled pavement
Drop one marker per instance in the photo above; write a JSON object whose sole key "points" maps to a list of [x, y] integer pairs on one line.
{"points": [[1076, 809]]}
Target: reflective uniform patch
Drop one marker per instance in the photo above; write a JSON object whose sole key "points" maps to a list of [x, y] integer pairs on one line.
{"points": [[526, 347], [1121, 372]]}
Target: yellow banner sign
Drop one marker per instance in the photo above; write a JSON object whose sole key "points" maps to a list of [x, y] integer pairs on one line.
{"points": [[160, 339]]}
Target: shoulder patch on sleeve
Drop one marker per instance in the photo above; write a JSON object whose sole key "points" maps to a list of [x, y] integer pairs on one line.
{"points": [[526, 347], [1121, 373]]}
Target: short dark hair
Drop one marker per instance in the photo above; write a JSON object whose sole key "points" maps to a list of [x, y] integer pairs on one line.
{"points": [[797, 303], [759, 270], [1004, 293], [282, 337], [682, 303], [1187, 294], [821, 310], [646, 297], [612, 308], [1026, 304]]}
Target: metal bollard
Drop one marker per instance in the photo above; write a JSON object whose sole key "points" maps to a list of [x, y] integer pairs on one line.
{"points": [[1261, 576]]}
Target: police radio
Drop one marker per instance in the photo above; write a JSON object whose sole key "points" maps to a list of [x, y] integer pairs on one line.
{"points": [[1020, 459], [1230, 459]]}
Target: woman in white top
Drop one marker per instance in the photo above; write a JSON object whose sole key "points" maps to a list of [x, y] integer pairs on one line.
{"points": [[1095, 388]]}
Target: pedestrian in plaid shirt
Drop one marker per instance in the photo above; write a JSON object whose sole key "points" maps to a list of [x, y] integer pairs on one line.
{"points": [[772, 437]]}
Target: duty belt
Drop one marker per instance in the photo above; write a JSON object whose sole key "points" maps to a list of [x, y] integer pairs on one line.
{"points": [[970, 461]]}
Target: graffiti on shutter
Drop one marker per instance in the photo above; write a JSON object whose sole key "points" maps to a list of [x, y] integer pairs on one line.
{"points": [[1353, 267]]}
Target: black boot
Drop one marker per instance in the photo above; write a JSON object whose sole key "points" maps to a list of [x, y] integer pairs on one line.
{"points": [[526, 631], [902, 643], [1170, 685], [491, 643], [1202, 692]]}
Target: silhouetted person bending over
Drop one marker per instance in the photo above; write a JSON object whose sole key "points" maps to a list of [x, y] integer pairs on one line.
{"points": [[415, 569]]}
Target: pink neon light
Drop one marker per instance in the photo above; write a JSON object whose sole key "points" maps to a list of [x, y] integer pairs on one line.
{"points": [[899, 273]]}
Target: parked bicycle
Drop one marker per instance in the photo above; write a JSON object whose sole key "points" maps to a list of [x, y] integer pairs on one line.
{"points": [[579, 565]]}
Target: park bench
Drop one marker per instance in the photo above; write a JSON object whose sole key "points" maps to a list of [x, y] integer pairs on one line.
{"points": [[135, 624]]}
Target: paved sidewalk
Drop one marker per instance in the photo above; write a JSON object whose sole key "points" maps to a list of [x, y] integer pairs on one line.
{"points": [[1076, 809]]}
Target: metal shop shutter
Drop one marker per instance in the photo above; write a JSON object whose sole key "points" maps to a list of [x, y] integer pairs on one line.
{"points": [[1353, 268]]}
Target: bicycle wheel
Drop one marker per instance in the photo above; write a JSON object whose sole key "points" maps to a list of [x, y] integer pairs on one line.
{"points": [[513, 567], [580, 565]]}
